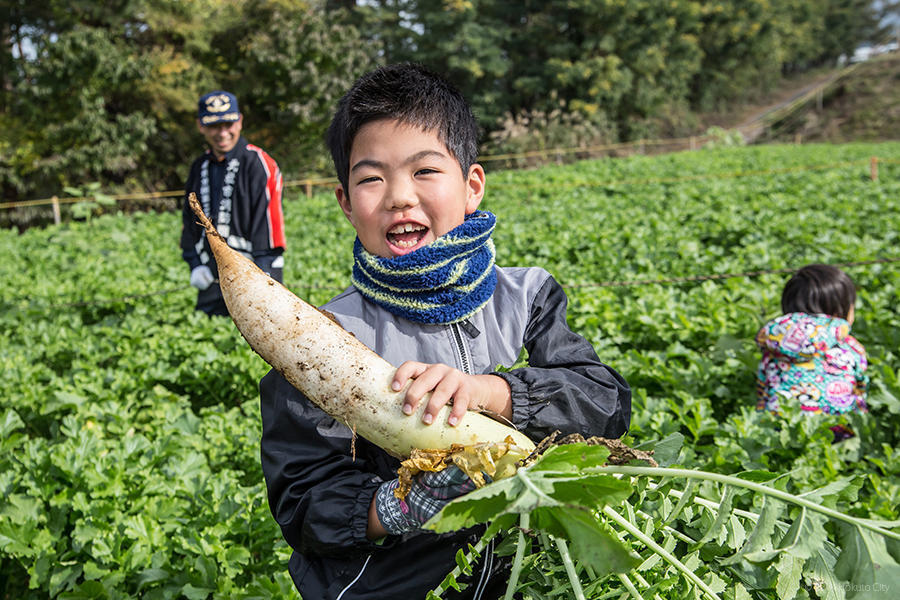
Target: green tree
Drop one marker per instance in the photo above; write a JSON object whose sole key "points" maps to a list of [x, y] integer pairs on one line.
{"points": [[300, 63], [615, 59], [743, 49], [634, 64], [846, 23], [107, 91], [81, 94]]}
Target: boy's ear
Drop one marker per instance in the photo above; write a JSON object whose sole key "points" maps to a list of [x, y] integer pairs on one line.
{"points": [[475, 183], [344, 200]]}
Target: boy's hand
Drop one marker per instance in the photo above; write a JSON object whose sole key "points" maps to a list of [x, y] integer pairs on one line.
{"points": [[428, 494], [477, 392]]}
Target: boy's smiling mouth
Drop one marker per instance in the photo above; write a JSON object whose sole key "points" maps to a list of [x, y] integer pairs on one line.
{"points": [[405, 237]]}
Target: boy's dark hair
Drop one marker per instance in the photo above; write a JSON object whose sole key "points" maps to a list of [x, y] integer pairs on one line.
{"points": [[413, 95], [819, 289]]}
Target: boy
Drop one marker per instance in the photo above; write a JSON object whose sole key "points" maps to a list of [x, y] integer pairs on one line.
{"points": [[427, 296]]}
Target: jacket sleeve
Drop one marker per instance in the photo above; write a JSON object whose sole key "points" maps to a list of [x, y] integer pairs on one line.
{"points": [[266, 217], [565, 387], [190, 230], [318, 493]]}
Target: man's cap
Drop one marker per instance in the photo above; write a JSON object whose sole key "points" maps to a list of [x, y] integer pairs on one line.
{"points": [[218, 107]]}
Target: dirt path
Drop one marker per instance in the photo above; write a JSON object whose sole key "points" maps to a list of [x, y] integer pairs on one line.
{"points": [[750, 119], [760, 115]]}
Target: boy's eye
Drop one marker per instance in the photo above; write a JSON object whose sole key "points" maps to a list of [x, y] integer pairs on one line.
{"points": [[425, 171], [369, 179]]}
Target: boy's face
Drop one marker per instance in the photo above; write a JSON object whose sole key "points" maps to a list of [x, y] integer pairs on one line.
{"points": [[405, 189]]}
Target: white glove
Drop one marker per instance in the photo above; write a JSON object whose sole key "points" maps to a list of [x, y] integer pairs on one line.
{"points": [[202, 277]]}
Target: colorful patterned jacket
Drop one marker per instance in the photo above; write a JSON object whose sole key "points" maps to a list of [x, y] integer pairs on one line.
{"points": [[811, 360]]}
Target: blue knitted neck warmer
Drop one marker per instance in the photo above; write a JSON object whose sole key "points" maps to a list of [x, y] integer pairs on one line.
{"points": [[447, 281]]}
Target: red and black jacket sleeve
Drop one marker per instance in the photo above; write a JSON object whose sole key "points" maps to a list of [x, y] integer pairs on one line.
{"points": [[266, 227]]}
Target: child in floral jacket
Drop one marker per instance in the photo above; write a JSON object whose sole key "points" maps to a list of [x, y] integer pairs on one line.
{"points": [[808, 355]]}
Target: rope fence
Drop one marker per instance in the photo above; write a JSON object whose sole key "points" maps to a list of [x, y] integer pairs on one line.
{"points": [[719, 276], [590, 285], [309, 184]]}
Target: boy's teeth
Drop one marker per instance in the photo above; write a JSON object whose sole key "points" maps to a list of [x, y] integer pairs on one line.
{"points": [[406, 235], [406, 227]]}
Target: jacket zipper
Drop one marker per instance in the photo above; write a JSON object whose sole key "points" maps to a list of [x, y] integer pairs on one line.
{"points": [[461, 349], [355, 579], [463, 354], [485, 571]]}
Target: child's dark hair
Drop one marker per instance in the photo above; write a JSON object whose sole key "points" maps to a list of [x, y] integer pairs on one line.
{"points": [[413, 95], [819, 289]]}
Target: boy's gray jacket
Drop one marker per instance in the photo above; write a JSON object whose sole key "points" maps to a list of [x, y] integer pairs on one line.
{"points": [[319, 492]]}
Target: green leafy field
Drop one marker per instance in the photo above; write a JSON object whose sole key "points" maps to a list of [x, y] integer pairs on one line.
{"points": [[129, 424]]}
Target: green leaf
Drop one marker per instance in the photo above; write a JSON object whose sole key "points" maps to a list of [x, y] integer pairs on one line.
{"points": [[206, 569], [811, 537], [589, 542], [786, 544], [737, 533], [88, 590], [741, 593], [651, 561], [760, 537], [789, 570], [478, 506], [793, 533], [196, 593], [62, 400], [722, 515], [716, 583], [571, 458], [820, 576], [150, 576], [501, 523], [93, 571], [667, 450], [686, 496], [237, 554], [463, 563], [10, 422], [537, 486], [63, 577], [592, 490], [893, 548], [865, 563], [21, 508]]}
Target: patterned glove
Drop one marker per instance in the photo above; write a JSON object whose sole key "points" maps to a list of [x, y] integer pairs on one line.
{"points": [[428, 495], [202, 277]]}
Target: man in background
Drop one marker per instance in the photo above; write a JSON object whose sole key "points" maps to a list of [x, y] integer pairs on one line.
{"points": [[239, 187]]}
